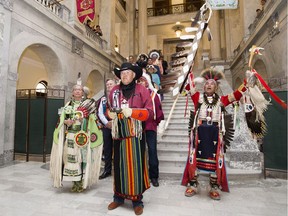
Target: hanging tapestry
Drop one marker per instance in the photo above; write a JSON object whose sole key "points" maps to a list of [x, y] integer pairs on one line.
{"points": [[85, 9]]}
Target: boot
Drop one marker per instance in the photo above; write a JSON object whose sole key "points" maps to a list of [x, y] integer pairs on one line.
{"points": [[74, 187], [80, 186], [214, 192], [192, 189]]}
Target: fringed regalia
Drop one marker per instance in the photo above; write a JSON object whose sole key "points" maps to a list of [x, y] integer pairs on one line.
{"points": [[208, 127], [130, 162], [77, 149]]}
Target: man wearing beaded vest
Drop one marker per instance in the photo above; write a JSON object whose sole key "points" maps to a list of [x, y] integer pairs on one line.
{"points": [[210, 131]]}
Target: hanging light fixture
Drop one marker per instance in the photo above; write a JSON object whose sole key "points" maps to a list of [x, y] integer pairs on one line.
{"points": [[178, 32], [116, 47]]}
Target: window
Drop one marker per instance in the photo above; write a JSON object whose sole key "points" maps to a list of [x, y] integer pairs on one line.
{"points": [[42, 87]]}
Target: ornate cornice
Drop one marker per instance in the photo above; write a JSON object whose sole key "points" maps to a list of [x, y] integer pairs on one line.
{"points": [[8, 4]]}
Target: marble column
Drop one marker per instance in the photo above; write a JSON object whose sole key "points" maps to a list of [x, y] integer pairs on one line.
{"points": [[131, 26], [215, 30], [7, 86], [107, 19], [142, 26]]}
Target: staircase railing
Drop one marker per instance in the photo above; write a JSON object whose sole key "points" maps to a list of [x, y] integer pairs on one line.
{"points": [[171, 112]]}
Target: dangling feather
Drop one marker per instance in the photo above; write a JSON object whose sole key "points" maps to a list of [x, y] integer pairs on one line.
{"points": [[191, 122], [87, 107], [258, 127], [229, 130], [209, 34], [79, 80]]}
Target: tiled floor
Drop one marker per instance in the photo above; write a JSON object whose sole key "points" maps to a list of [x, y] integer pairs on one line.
{"points": [[25, 190]]}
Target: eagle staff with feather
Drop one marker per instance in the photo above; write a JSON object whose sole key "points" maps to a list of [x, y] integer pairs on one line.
{"points": [[255, 102]]}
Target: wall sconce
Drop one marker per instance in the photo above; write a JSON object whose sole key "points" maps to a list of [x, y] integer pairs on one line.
{"points": [[116, 47], [178, 32], [178, 29]]}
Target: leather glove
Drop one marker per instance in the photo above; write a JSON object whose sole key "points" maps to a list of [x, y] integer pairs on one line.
{"points": [[112, 115], [127, 112]]}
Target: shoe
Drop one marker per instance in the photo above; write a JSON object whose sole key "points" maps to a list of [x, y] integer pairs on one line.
{"points": [[104, 175], [190, 191], [138, 210], [114, 205], [155, 182], [214, 194]]}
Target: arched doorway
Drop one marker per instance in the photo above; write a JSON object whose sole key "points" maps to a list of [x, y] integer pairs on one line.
{"points": [[37, 111], [260, 67], [95, 83], [38, 63]]}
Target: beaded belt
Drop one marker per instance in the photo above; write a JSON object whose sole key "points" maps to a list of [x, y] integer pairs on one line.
{"points": [[207, 122]]}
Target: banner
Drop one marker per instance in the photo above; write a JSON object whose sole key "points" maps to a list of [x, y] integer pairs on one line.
{"points": [[85, 8], [223, 4]]}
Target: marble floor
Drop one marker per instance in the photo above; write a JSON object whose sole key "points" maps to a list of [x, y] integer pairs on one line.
{"points": [[25, 190]]}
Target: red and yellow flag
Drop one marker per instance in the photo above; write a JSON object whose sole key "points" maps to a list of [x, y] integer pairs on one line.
{"points": [[85, 8]]}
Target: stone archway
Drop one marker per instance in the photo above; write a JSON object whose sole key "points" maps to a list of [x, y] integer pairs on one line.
{"points": [[38, 53], [38, 62], [95, 83], [260, 67]]}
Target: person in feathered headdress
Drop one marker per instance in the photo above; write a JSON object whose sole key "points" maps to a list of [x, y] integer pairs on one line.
{"points": [[155, 58], [210, 131], [77, 143], [142, 60]]}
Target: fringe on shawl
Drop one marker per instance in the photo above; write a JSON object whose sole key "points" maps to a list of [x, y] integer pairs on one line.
{"points": [[92, 171], [133, 127], [56, 160]]}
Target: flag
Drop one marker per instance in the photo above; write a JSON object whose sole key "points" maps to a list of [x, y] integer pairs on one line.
{"points": [[85, 8]]}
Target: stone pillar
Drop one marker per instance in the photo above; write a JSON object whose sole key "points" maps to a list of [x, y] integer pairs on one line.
{"points": [[7, 86], [142, 26], [131, 26], [248, 14], [205, 58], [107, 22], [215, 30]]}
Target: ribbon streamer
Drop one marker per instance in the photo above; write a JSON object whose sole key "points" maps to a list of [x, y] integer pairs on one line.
{"points": [[274, 96]]}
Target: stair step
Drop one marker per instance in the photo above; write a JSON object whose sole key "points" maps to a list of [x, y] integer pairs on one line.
{"points": [[180, 138], [169, 161], [172, 152], [176, 133], [177, 127]]}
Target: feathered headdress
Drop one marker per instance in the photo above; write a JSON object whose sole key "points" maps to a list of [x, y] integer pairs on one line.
{"points": [[212, 73], [142, 57], [154, 52], [209, 74]]}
